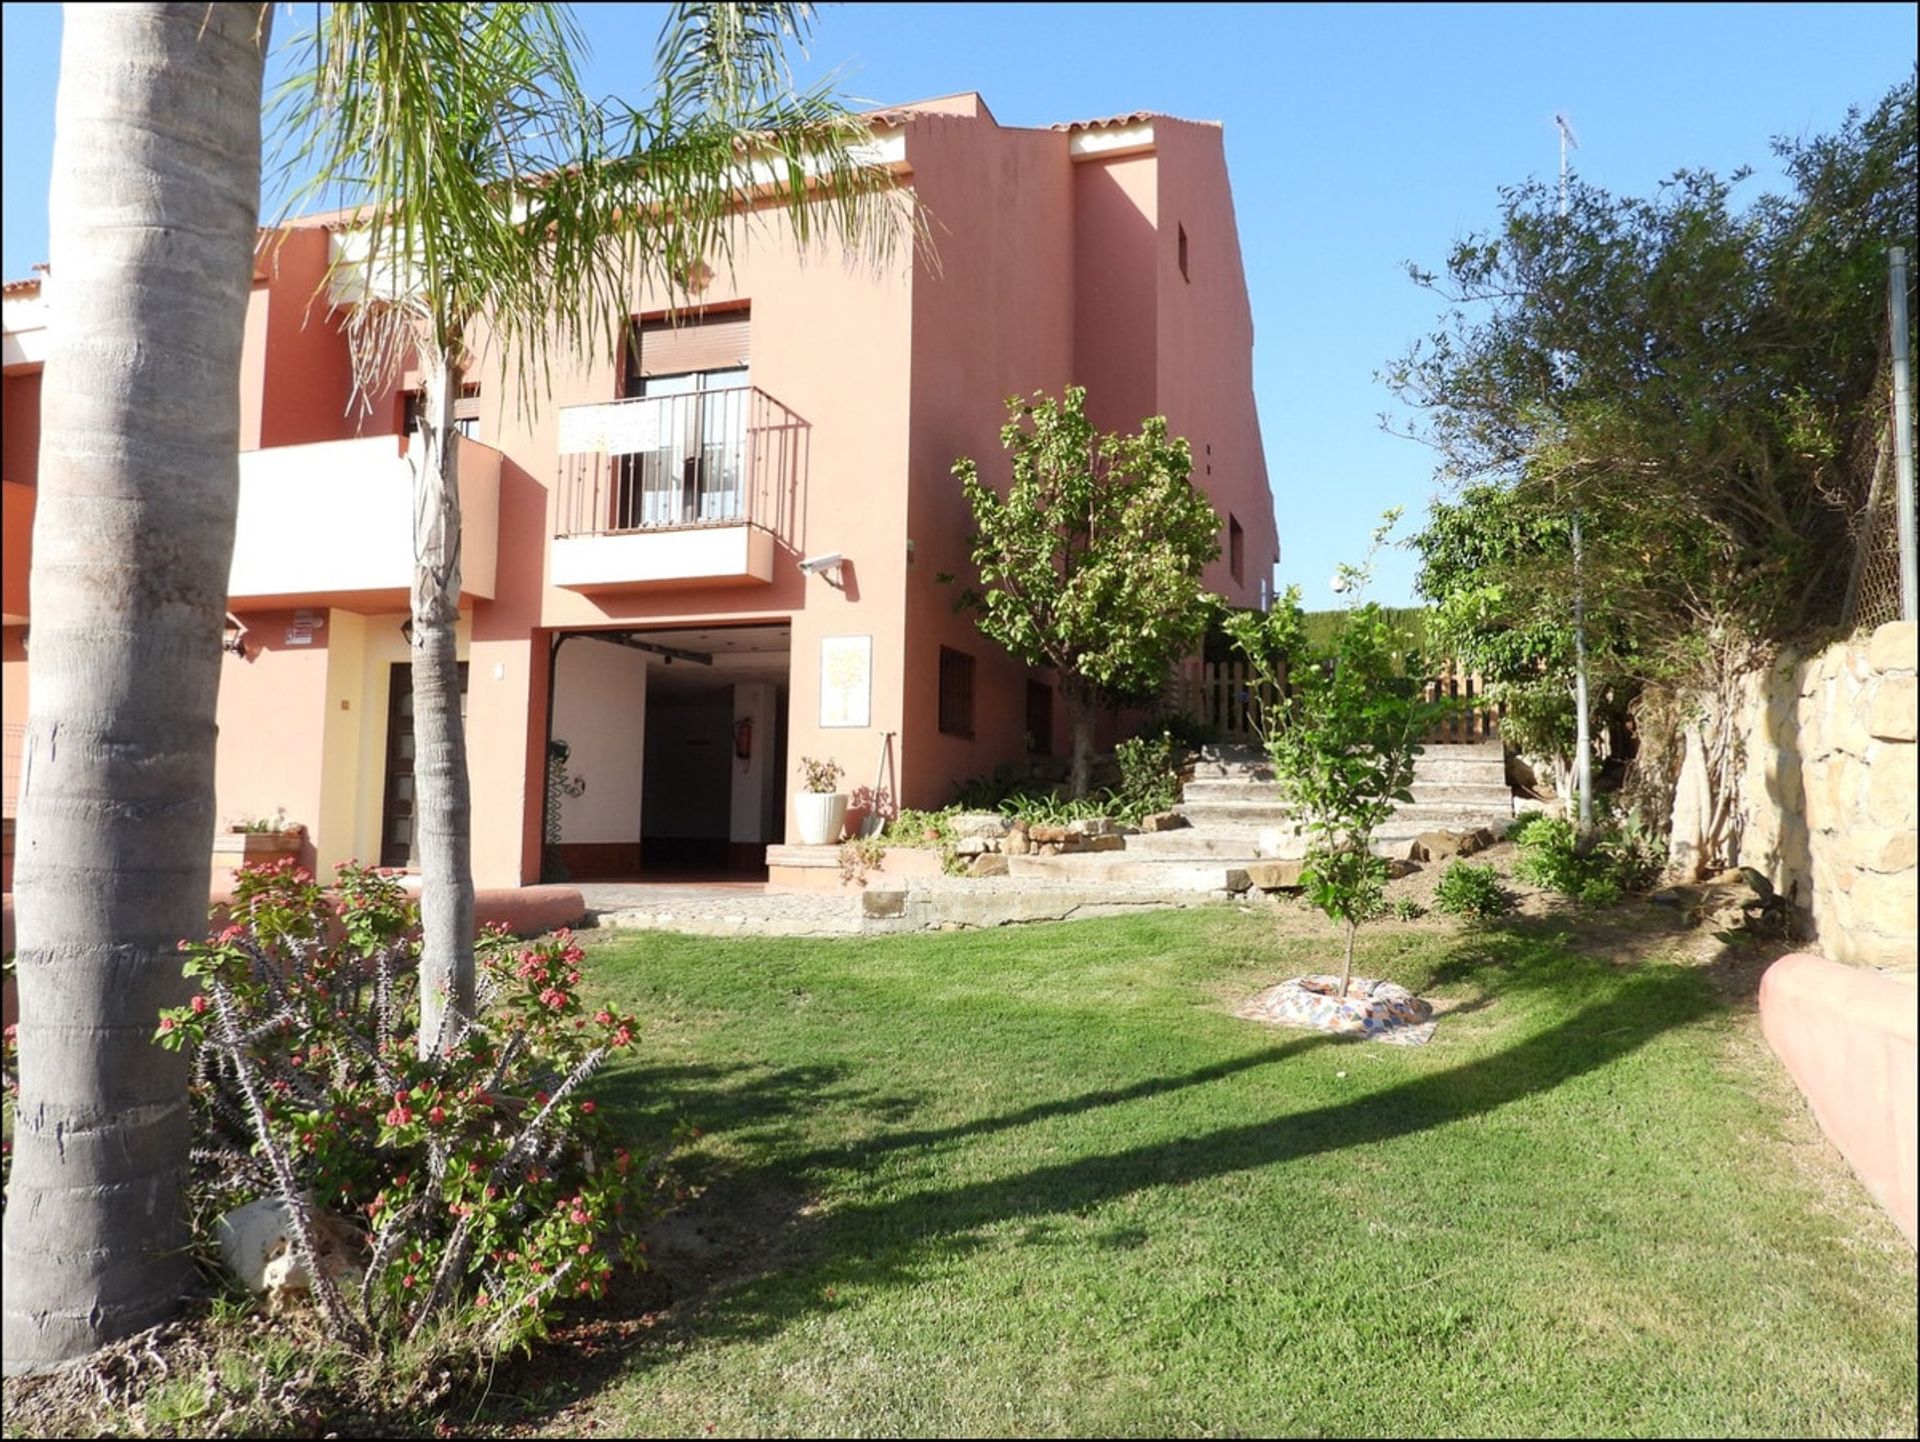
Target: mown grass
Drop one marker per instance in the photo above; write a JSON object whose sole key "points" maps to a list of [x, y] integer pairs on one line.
{"points": [[1041, 1181]]}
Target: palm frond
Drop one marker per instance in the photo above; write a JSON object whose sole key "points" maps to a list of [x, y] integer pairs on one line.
{"points": [[484, 186], [728, 59]]}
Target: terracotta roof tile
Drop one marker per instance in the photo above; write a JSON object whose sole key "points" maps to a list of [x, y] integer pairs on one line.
{"points": [[1132, 117]]}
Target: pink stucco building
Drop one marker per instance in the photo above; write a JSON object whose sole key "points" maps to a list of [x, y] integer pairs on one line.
{"points": [[633, 583]]}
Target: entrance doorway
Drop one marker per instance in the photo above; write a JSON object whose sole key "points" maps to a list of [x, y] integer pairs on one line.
{"points": [[399, 823], [675, 742]]}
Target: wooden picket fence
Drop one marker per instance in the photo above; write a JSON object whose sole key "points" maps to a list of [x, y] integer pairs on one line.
{"points": [[1225, 697], [1474, 719]]}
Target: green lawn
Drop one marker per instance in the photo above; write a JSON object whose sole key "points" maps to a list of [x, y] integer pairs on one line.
{"points": [[1041, 1181]]}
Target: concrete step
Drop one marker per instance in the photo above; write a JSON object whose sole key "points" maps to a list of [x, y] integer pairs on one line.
{"points": [[1463, 795], [1490, 777], [1235, 763], [1192, 843], [1427, 816], [1495, 747], [1165, 875], [1232, 753], [1246, 815], [1214, 846], [1229, 789], [1467, 794], [1462, 762], [1203, 773]]}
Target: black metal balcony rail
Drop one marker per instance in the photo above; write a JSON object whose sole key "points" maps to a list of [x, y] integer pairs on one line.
{"points": [[660, 463]]}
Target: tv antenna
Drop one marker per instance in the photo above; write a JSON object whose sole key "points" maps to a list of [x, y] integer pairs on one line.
{"points": [[1568, 141]]}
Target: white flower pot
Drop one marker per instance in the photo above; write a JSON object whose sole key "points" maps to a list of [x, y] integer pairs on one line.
{"points": [[822, 816]]}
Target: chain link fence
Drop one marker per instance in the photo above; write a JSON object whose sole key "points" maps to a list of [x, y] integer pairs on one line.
{"points": [[1873, 579]]}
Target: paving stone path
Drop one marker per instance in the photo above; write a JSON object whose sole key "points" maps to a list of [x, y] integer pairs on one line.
{"points": [[926, 905], [726, 910]]}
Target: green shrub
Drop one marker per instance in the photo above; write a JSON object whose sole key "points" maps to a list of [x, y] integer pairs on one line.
{"points": [[1636, 852], [1548, 860], [1469, 890], [1600, 891], [484, 1182], [1046, 809], [1625, 855], [1405, 908], [928, 829], [1526, 827], [1149, 776], [986, 793]]}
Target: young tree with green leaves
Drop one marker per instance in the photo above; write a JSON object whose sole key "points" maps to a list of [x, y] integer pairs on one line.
{"points": [[490, 190], [1090, 562], [1496, 569], [1343, 754]]}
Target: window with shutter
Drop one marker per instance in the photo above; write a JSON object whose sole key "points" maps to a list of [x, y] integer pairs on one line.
{"points": [[697, 368]]}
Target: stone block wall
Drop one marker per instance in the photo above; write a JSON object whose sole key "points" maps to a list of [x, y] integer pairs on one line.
{"points": [[1829, 790]]}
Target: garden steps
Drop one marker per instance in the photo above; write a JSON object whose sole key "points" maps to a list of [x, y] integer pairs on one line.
{"points": [[1232, 799]]}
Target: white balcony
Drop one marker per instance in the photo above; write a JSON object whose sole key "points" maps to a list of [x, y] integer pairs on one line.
{"points": [[331, 524]]}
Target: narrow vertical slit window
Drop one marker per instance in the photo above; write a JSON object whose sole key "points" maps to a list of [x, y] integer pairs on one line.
{"points": [[1039, 718], [956, 693]]}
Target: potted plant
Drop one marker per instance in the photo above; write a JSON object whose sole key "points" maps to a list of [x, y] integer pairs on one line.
{"points": [[820, 809], [251, 841]]}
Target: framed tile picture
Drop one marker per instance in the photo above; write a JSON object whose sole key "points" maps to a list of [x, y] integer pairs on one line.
{"points": [[846, 680]]}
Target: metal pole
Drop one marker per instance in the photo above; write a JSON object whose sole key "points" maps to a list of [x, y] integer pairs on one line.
{"points": [[1582, 723], [1903, 429]]}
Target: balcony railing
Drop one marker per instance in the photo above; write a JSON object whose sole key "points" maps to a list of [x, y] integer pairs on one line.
{"points": [[658, 463]]}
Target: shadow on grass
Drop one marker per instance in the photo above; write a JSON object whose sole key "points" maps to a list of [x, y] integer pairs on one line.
{"points": [[766, 1261]]}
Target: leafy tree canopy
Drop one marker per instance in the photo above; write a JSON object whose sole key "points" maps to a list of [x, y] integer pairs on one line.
{"points": [[1703, 382], [1690, 373], [1091, 560]]}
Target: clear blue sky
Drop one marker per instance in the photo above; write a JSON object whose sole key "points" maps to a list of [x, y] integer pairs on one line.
{"points": [[1358, 137]]}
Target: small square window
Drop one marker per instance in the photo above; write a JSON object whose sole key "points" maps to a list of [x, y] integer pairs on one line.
{"points": [[956, 693]]}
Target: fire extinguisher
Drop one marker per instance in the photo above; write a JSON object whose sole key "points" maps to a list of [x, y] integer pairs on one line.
{"points": [[743, 738]]}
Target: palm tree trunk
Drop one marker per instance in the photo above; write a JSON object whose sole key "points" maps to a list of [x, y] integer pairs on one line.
{"points": [[442, 798], [154, 205]]}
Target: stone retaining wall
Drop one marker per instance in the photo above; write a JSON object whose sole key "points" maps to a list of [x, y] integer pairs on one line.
{"points": [[1828, 792]]}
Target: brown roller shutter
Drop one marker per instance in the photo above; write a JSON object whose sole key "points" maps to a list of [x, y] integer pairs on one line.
{"points": [[718, 344]]}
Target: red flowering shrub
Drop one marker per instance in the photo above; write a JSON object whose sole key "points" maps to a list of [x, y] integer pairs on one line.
{"points": [[488, 1184]]}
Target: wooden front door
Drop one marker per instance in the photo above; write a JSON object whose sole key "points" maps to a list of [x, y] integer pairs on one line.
{"points": [[397, 820]]}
